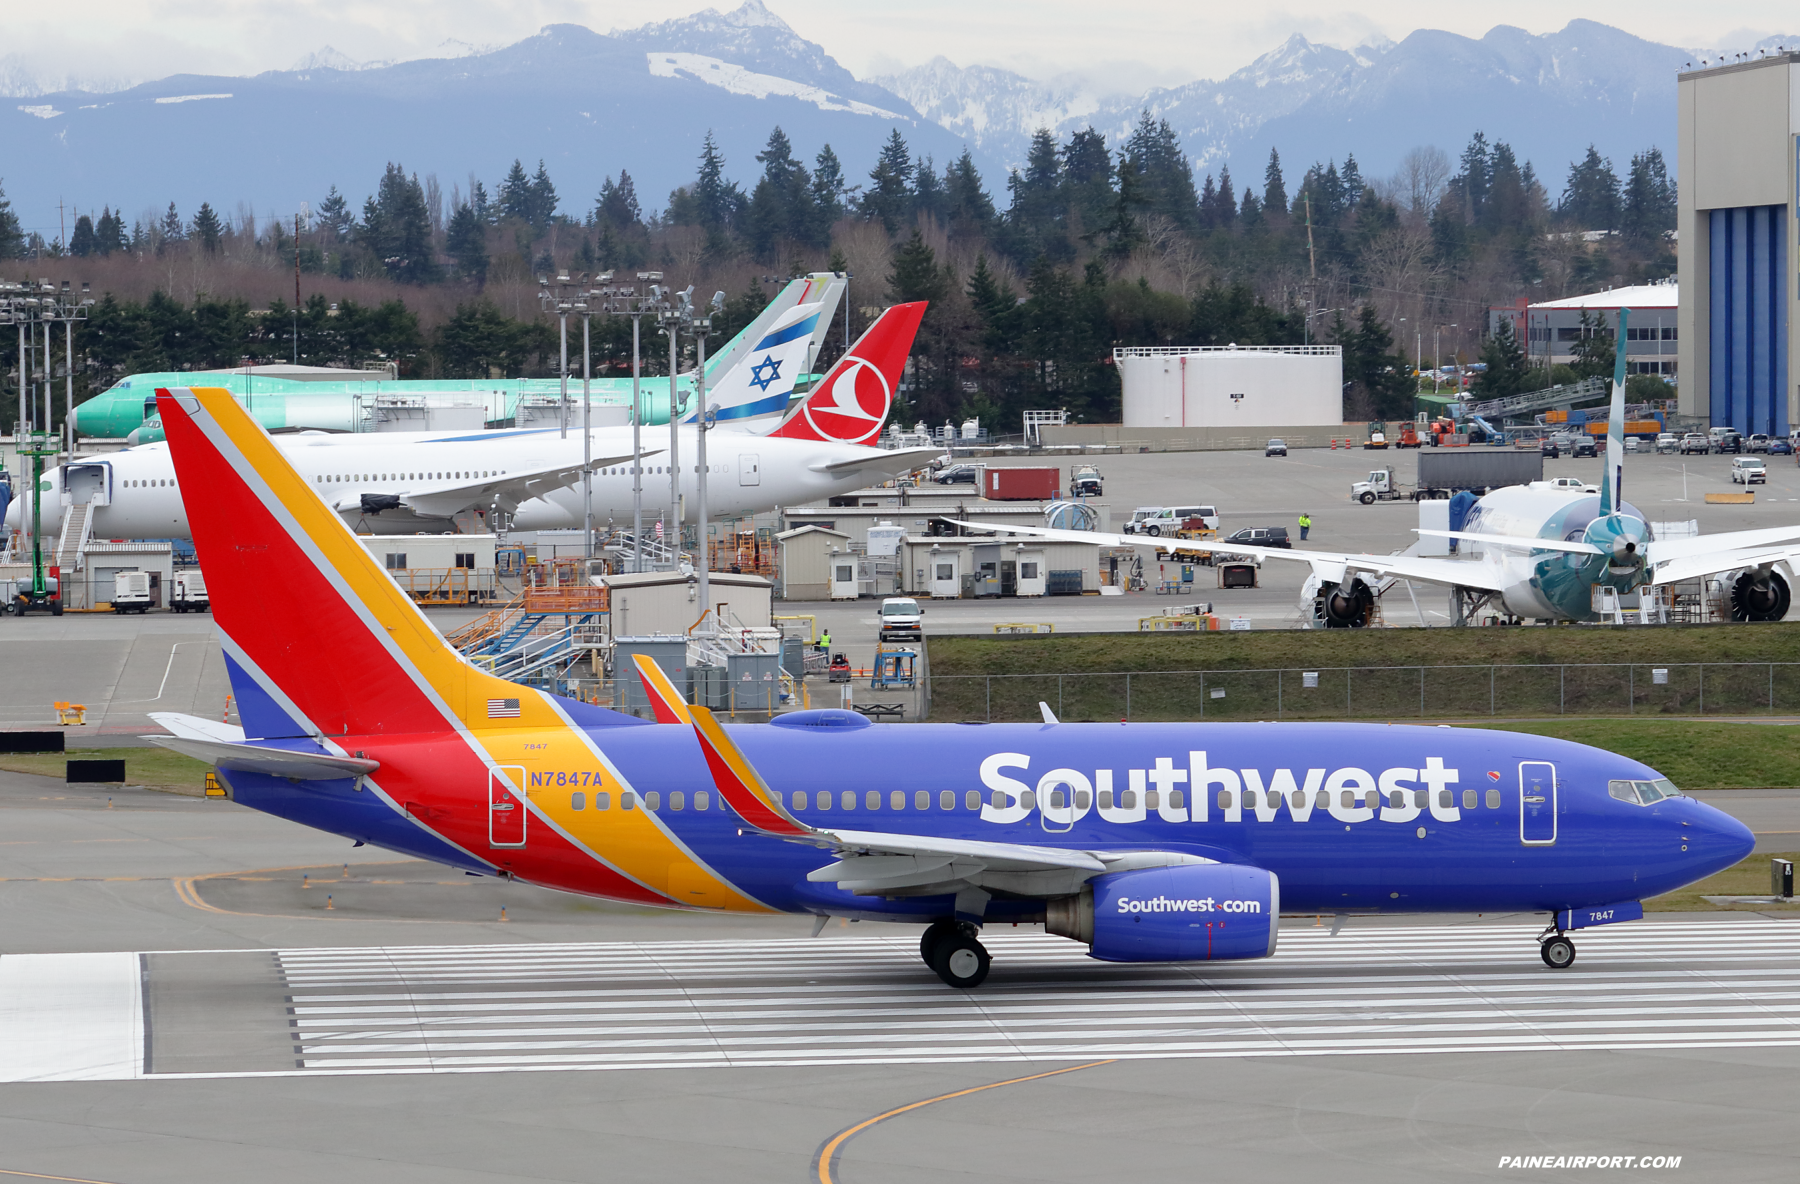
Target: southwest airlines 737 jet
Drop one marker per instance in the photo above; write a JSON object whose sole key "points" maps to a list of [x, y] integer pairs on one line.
{"points": [[1540, 552], [1145, 842], [394, 483]]}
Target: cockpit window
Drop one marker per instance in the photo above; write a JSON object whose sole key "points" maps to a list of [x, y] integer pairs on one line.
{"points": [[1643, 793]]}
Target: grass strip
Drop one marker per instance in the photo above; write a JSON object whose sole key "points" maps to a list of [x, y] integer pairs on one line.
{"points": [[153, 768]]}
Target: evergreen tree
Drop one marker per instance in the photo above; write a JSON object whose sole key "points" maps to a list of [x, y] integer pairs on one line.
{"points": [[1166, 178], [12, 235], [543, 198], [889, 196], [1377, 377], [1594, 352], [335, 216], [1473, 181], [1648, 201], [967, 207], [1507, 366], [1274, 198], [109, 233], [916, 275], [479, 203], [781, 209], [397, 227], [173, 229], [1352, 181], [617, 206], [465, 238], [1087, 174], [1125, 233], [831, 198], [929, 196], [208, 230], [1225, 208], [82, 242], [1591, 198], [514, 199], [995, 305]]}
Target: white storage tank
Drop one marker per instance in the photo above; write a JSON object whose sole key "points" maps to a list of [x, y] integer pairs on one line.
{"points": [[1253, 386]]}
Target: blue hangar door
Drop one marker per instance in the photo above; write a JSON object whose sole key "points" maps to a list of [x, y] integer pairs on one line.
{"points": [[1747, 319]]}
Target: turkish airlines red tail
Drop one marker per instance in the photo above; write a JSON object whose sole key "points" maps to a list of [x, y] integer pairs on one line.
{"points": [[851, 403]]}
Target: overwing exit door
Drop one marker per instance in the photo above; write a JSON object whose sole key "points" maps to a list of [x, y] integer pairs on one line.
{"points": [[749, 468], [506, 806], [1537, 803]]}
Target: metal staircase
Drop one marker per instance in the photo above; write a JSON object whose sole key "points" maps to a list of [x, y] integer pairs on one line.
{"points": [[78, 525], [1557, 396]]}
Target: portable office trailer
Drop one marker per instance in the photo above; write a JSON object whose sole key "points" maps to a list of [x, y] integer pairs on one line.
{"points": [[805, 561], [668, 602], [433, 552], [941, 567]]}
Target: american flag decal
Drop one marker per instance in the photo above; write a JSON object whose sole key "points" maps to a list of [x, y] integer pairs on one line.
{"points": [[503, 709]]}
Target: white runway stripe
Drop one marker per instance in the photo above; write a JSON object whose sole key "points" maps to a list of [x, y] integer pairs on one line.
{"points": [[869, 1000]]}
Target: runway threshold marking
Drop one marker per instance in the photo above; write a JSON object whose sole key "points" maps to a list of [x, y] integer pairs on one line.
{"points": [[825, 1160], [399, 1010]]}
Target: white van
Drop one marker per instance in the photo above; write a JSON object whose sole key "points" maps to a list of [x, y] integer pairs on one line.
{"points": [[1157, 521]]}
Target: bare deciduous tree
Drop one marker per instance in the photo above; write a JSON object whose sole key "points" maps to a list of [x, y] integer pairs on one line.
{"points": [[1421, 178]]}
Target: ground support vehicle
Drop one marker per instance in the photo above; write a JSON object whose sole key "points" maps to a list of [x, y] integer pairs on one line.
{"points": [[131, 592], [1084, 481], [1409, 436], [898, 619], [1749, 470], [187, 593], [1377, 435], [1444, 473]]}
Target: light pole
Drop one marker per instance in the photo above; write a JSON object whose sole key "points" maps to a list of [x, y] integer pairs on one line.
{"points": [[562, 303], [698, 327], [669, 319], [1306, 333], [630, 300], [1437, 354]]}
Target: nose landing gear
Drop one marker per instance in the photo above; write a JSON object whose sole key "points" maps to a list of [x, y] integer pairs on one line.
{"points": [[954, 953], [1557, 951]]}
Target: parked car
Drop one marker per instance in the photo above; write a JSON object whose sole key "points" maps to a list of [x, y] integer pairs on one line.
{"points": [[959, 475], [898, 619], [1585, 447], [1551, 448], [1780, 447], [1573, 483], [1758, 442], [1695, 442], [1725, 440], [1275, 448], [1250, 536], [1668, 442], [1750, 470]]}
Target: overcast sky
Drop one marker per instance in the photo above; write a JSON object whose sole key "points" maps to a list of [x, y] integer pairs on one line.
{"points": [[1106, 45]]}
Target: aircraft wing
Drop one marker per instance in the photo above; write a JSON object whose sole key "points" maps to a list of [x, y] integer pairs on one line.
{"points": [[884, 863], [885, 460], [1574, 547], [1327, 565], [445, 499], [1687, 567]]}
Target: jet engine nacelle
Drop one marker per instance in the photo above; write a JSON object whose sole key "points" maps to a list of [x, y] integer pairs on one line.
{"points": [[1192, 913], [1347, 605], [1760, 594]]}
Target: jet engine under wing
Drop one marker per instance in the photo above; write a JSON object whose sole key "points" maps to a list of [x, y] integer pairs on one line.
{"points": [[446, 499], [886, 460], [1327, 565]]}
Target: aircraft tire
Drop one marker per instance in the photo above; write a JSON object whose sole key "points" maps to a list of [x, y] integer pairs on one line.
{"points": [[1558, 953], [934, 933], [961, 961]]}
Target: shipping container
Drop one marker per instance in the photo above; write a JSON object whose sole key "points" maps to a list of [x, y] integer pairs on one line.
{"points": [[1020, 485], [1478, 468]]}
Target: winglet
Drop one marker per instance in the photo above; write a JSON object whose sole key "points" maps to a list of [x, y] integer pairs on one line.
{"points": [[739, 783], [1612, 489], [665, 700]]}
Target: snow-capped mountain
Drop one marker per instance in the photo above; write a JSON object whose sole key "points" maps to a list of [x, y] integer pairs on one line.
{"points": [[590, 104]]}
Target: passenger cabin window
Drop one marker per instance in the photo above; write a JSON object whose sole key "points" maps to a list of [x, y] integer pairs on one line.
{"points": [[1468, 799], [947, 799], [627, 799], [578, 801], [602, 800], [972, 799], [702, 800], [677, 800], [799, 799], [1493, 799], [653, 800], [922, 799]]}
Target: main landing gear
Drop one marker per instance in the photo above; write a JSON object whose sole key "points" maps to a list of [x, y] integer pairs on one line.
{"points": [[952, 950], [1557, 951]]}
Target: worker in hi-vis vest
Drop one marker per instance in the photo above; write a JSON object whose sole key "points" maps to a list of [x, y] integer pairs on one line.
{"points": [[1305, 524]]}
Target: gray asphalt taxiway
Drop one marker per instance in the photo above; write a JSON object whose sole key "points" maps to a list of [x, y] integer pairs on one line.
{"points": [[190, 991]]}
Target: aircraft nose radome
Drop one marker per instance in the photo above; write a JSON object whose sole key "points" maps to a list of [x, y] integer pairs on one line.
{"points": [[1722, 837]]}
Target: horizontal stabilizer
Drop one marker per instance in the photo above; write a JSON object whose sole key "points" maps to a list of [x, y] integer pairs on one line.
{"points": [[193, 727], [890, 460], [272, 762]]}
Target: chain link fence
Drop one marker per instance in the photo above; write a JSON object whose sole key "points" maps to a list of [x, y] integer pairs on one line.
{"points": [[1376, 692]]}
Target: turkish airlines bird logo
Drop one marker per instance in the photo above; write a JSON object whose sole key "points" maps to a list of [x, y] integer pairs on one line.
{"points": [[854, 407], [851, 403]]}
